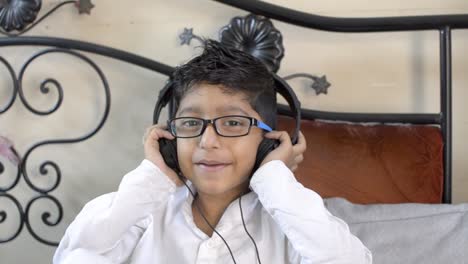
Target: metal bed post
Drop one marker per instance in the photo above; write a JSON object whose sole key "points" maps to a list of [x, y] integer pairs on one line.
{"points": [[446, 108]]}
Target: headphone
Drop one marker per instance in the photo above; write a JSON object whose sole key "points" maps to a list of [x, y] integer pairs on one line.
{"points": [[168, 148]]}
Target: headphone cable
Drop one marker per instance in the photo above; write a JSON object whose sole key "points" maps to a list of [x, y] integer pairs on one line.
{"points": [[245, 228]]}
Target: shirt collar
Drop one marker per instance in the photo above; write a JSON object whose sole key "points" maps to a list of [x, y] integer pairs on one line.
{"points": [[231, 217]]}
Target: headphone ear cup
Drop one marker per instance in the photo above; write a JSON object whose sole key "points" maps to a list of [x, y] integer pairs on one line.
{"points": [[168, 150], [265, 147]]}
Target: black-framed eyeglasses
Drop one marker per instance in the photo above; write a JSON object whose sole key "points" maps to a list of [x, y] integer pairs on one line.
{"points": [[225, 126]]}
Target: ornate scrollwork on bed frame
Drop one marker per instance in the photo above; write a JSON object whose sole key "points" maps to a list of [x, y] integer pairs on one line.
{"points": [[48, 165]]}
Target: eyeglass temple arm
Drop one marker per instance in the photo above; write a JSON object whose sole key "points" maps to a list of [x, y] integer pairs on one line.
{"points": [[262, 125]]}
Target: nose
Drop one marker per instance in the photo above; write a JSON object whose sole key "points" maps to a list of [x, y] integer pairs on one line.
{"points": [[209, 138]]}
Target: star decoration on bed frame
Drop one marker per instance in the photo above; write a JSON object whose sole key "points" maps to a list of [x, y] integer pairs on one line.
{"points": [[84, 6], [187, 36], [321, 85]]}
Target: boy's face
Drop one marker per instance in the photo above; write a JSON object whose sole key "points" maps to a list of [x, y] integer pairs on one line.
{"points": [[215, 164]]}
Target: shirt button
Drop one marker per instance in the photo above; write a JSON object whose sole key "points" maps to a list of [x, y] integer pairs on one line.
{"points": [[210, 244]]}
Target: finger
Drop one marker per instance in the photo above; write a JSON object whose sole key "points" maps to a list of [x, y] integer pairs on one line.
{"points": [[294, 168], [299, 159], [282, 136], [156, 132], [285, 141], [301, 145], [285, 145], [302, 140], [148, 132], [154, 126]]}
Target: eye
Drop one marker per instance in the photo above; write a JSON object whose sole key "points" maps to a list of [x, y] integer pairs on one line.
{"points": [[235, 122], [232, 123], [191, 123]]}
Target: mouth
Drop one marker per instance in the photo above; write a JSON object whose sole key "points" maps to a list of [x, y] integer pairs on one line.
{"points": [[211, 166]]}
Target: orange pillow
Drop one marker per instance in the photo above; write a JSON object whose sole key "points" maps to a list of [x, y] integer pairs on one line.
{"points": [[371, 163]]}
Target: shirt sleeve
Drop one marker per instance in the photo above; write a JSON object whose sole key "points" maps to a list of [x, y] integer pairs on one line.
{"points": [[314, 234], [109, 227]]}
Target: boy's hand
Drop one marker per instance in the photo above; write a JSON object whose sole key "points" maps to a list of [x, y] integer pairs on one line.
{"points": [[152, 153], [290, 154]]}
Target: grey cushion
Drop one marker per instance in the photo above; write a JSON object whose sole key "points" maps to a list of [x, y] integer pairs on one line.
{"points": [[408, 233]]}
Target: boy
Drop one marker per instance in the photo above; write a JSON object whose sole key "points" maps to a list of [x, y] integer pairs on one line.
{"points": [[153, 218]]}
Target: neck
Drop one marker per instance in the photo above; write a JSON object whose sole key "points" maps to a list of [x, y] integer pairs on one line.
{"points": [[213, 207]]}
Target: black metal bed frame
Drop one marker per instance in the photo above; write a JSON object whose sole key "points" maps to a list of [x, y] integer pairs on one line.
{"points": [[442, 23]]}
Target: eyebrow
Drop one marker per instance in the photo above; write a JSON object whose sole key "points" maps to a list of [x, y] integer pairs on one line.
{"points": [[197, 110], [232, 108], [190, 109]]}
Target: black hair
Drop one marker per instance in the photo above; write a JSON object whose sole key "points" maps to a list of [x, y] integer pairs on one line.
{"points": [[233, 69]]}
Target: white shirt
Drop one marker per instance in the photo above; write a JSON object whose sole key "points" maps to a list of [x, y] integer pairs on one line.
{"points": [[149, 220]]}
